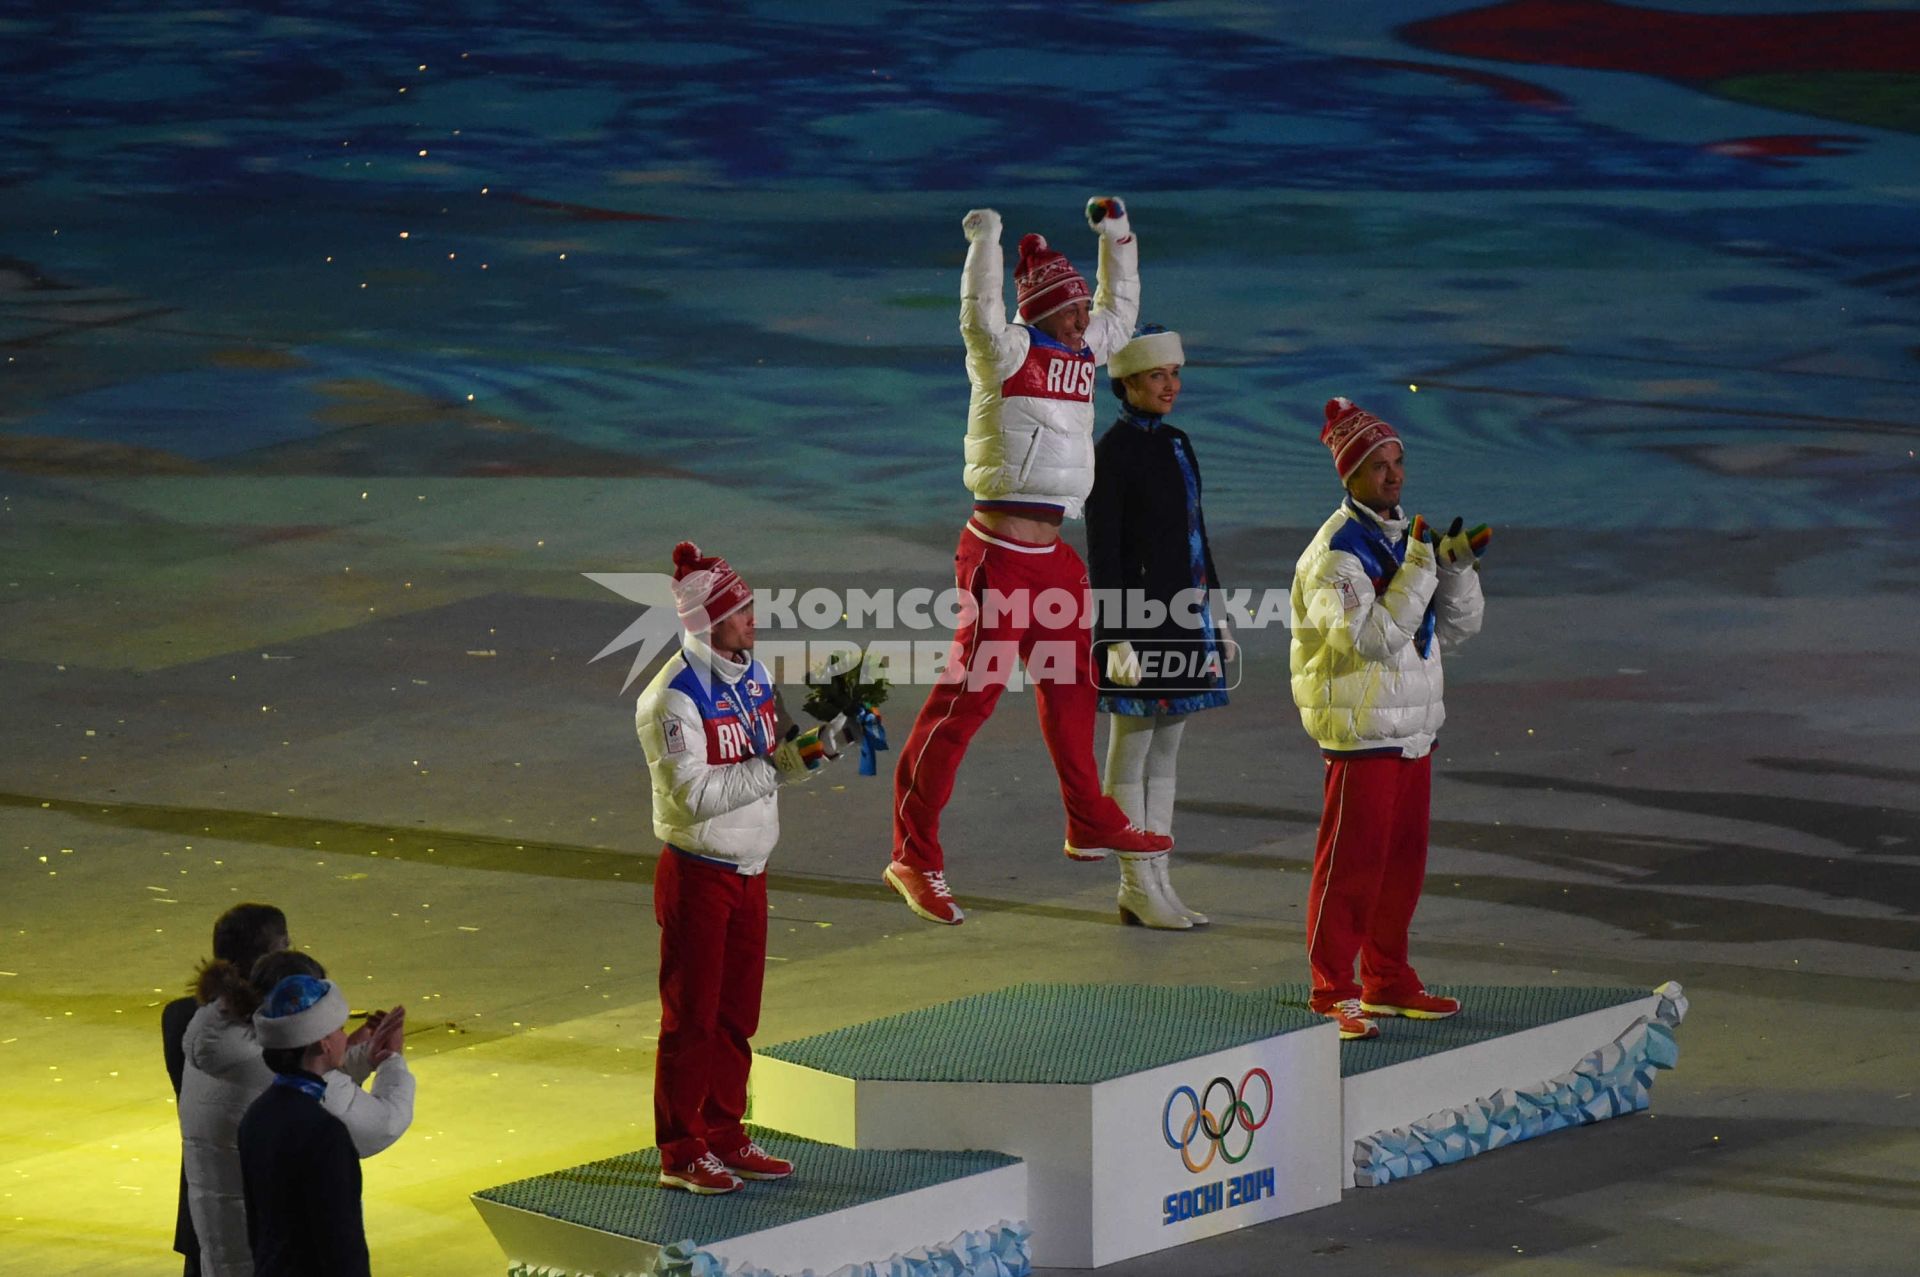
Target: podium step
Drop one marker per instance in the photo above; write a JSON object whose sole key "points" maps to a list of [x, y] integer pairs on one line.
{"points": [[1517, 1062], [1486, 1012], [1148, 1116], [610, 1217], [1067, 1034]]}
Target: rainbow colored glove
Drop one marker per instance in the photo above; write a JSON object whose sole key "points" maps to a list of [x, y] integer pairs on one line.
{"points": [[1422, 552], [1107, 215], [803, 753], [1459, 550]]}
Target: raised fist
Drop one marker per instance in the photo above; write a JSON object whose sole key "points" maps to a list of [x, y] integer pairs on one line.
{"points": [[981, 224], [1106, 214]]}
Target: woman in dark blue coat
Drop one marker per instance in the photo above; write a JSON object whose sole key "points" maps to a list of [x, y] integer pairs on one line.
{"points": [[1162, 650]]}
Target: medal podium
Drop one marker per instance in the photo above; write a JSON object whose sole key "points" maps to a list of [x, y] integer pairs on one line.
{"points": [[1076, 1125]]}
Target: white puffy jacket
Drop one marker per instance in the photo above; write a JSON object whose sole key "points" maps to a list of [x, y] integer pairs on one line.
{"points": [[706, 741], [1030, 422], [1360, 678], [224, 1074]]}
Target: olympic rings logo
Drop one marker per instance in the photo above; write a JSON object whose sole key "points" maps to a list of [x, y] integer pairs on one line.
{"points": [[1216, 1124]]}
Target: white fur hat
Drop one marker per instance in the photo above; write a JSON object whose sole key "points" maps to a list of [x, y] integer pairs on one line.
{"points": [[299, 1011], [1153, 348]]}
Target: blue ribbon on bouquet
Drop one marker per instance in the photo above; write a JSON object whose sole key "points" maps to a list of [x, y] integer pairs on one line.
{"points": [[873, 738]]}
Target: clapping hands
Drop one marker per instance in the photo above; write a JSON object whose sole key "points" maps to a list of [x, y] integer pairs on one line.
{"points": [[389, 1036], [367, 1029], [383, 1033], [1455, 550], [1462, 550]]}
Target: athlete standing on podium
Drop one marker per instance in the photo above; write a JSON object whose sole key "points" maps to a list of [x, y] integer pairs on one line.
{"points": [[717, 762], [1376, 599], [1029, 465]]}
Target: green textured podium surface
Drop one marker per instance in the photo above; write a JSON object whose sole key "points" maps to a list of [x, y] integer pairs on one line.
{"points": [[1486, 1012], [1078, 1034], [1074, 1034], [622, 1195]]}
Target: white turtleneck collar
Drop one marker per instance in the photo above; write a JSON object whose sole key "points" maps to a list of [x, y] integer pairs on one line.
{"points": [[1394, 524], [701, 652]]}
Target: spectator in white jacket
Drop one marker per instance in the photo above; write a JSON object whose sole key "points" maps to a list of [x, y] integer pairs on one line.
{"points": [[1376, 598], [224, 1074], [242, 936]]}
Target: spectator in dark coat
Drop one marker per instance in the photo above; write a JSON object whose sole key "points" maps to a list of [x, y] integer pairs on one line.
{"points": [[173, 1027], [301, 1174]]}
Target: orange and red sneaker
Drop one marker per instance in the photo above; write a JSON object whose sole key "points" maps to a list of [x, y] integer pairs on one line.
{"points": [[927, 894], [1351, 1020], [704, 1175], [750, 1161], [1128, 838], [1418, 1005]]}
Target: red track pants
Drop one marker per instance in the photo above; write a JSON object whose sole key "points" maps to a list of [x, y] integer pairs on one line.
{"points": [[1368, 867], [713, 955], [1023, 620]]}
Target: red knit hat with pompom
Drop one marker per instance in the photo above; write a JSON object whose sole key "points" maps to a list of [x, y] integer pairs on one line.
{"points": [[1351, 434], [706, 590], [1045, 281]]}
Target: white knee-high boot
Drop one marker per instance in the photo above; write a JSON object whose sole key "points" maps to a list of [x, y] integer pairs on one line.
{"points": [[1162, 758], [1141, 876], [1193, 916], [1143, 900], [1157, 774], [1129, 737]]}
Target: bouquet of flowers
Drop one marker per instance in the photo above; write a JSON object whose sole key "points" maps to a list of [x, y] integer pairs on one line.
{"points": [[837, 692]]}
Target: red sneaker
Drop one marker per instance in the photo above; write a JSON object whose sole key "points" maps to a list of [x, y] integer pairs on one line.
{"points": [[1418, 1005], [704, 1175], [1127, 838], [750, 1161], [926, 894], [1353, 1023]]}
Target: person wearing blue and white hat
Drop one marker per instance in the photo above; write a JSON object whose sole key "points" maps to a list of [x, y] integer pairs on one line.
{"points": [[298, 1163]]}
